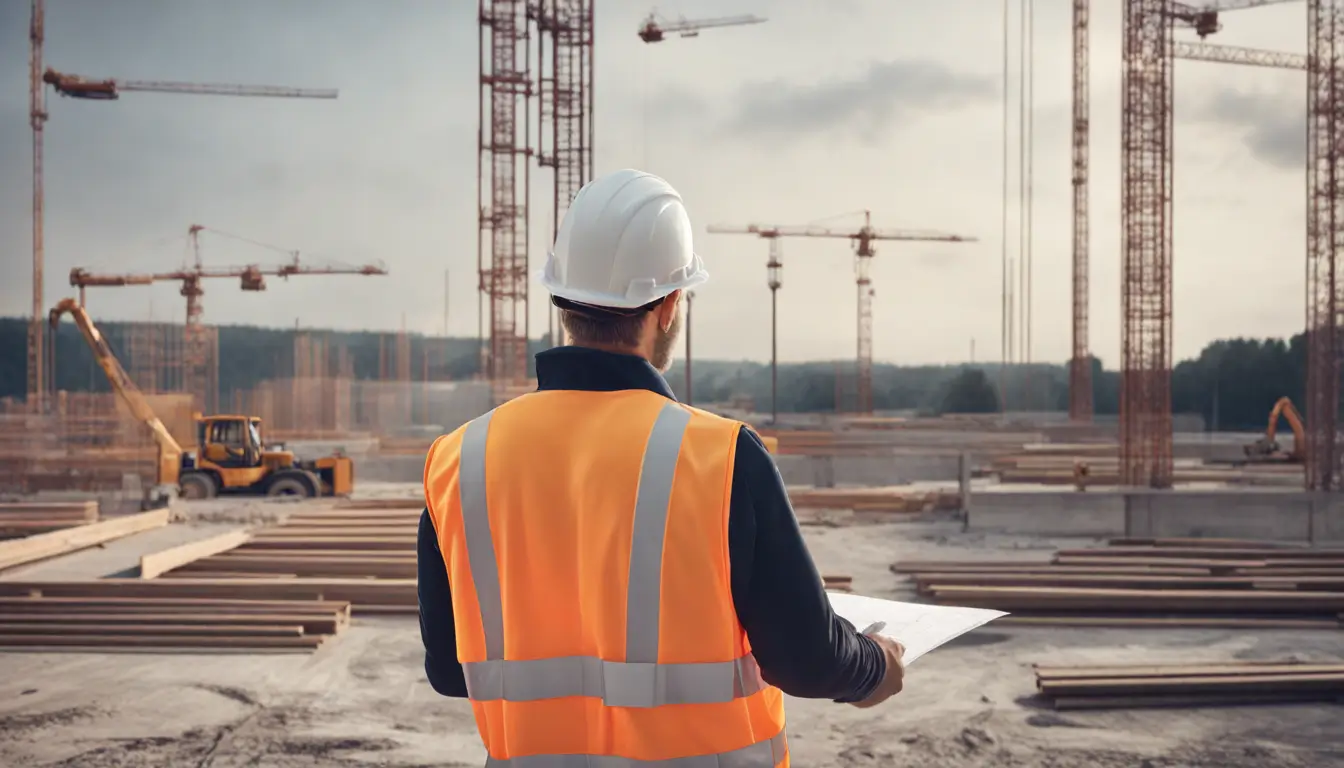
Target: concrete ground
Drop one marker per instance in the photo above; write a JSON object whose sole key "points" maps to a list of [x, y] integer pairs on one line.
{"points": [[363, 701]]}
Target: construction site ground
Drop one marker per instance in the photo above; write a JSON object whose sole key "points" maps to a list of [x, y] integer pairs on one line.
{"points": [[363, 699]]}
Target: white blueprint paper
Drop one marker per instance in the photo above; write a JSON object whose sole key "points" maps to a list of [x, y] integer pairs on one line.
{"points": [[919, 628]]}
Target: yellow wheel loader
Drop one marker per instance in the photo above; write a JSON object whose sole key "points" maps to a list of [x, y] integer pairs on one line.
{"points": [[230, 457]]}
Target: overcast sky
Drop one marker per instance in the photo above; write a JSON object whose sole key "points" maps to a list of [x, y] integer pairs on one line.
{"points": [[832, 106]]}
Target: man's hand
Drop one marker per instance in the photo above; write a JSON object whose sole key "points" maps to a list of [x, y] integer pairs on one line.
{"points": [[894, 679]]}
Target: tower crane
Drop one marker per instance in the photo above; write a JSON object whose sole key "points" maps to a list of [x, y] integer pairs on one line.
{"points": [[655, 28], [1204, 20], [252, 278], [862, 240], [101, 90]]}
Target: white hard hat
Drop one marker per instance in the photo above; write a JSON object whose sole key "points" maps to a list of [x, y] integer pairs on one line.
{"points": [[624, 242]]}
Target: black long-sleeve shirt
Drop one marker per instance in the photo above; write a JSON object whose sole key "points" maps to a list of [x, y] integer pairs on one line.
{"points": [[802, 647]]}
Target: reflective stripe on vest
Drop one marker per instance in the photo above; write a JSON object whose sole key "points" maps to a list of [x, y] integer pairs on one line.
{"points": [[759, 755], [639, 681]]}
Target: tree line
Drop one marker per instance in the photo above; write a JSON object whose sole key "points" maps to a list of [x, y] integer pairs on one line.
{"points": [[1232, 383]]}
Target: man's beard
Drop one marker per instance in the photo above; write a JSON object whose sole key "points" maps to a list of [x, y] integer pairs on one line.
{"points": [[662, 346]]}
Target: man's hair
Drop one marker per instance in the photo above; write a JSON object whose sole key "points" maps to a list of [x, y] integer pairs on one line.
{"points": [[607, 331]]}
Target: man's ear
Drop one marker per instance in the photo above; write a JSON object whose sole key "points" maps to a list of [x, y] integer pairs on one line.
{"points": [[667, 311]]}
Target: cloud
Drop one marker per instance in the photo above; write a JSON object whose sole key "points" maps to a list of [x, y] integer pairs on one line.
{"points": [[891, 92], [1272, 125]]}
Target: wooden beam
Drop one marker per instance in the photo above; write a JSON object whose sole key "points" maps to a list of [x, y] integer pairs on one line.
{"points": [[156, 564], [45, 545], [86, 511]]}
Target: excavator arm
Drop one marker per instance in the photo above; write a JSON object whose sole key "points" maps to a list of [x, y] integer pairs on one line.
{"points": [[1267, 448], [170, 452], [1284, 408]]}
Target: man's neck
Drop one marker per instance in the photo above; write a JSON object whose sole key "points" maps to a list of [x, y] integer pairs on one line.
{"points": [[615, 349]]}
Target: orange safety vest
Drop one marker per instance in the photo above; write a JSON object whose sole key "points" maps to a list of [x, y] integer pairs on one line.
{"points": [[586, 540]]}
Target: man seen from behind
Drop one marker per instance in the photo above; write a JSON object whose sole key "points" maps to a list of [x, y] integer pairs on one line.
{"points": [[612, 577]]}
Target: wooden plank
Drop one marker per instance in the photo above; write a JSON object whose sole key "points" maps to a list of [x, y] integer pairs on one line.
{"points": [[225, 575], [333, 567], [261, 541], [45, 545], [934, 566], [328, 624], [1111, 601], [1215, 566], [1183, 670], [246, 552], [408, 503], [1083, 669], [354, 590], [1171, 622], [16, 629], [340, 531], [1138, 686], [155, 564], [51, 510], [928, 581], [12, 606], [1207, 553], [106, 643], [1179, 701], [1208, 543], [162, 650]]}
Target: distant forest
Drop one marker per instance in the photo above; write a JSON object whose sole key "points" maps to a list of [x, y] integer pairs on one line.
{"points": [[1232, 384]]}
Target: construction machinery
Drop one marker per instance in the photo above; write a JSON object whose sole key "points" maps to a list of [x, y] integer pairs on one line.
{"points": [[230, 457], [1267, 448]]}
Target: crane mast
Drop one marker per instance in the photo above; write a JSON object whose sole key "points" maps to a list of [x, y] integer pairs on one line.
{"points": [[37, 116]]}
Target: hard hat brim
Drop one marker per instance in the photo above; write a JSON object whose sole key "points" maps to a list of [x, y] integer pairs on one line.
{"points": [[617, 301]]}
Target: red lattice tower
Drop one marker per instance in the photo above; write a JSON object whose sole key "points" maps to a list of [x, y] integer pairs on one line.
{"points": [[863, 260], [1146, 224], [1080, 365], [503, 186], [1325, 225], [565, 98]]}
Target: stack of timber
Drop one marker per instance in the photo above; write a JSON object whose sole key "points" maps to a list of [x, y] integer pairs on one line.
{"points": [[1208, 684], [19, 519], [41, 546], [90, 617], [882, 499], [920, 437], [1151, 583], [340, 544], [1042, 467], [363, 552]]}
